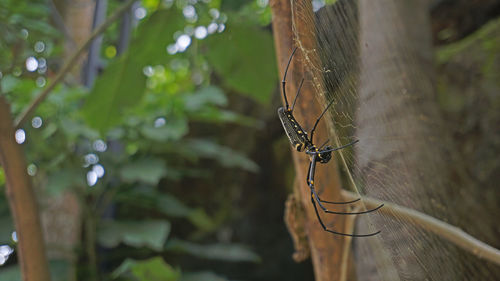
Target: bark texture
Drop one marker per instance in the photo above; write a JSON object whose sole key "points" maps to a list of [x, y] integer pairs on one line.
{"points": [[22, 201], [406, 154], [62, 214], [326, 249]]}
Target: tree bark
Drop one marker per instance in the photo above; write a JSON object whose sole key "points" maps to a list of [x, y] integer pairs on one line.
{"points": [[22, 201], [77, 16], [62, 214], [326, 249], [404, 154]]}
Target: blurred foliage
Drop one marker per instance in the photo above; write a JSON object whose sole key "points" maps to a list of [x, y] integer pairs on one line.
{"points": [[123, 144], [468, 90]]}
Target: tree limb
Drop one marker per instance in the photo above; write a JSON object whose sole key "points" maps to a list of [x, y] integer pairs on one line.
{"points": [[440, 228], [326, 249], [22, 201]]}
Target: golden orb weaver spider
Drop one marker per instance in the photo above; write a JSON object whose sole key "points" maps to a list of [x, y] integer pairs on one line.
{"points": [[300, 141]]}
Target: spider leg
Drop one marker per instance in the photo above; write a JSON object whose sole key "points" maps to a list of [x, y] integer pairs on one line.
{"points": [[321, 146], [319, 118], [335, 232], [333, 149], [310, 183], [297, 95], [283, 82], [338, 203], [341, 213]]}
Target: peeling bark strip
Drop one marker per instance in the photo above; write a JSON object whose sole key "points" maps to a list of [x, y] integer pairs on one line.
{"points": [[326, 249], [23, 205]]}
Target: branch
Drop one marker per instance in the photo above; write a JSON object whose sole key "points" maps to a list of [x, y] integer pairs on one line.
{"points": [[325, 248], [70, 63], [22, 202], [440, 228]]}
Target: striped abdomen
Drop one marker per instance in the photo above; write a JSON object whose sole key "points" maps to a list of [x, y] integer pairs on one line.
{"points": [[296, 135]]}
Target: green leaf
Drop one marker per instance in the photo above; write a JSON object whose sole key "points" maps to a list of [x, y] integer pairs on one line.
{"points": [[123, 83], [218, 251], [219, 115], [59, 270], [120, 86], [64, 179], [154, 269], [200, 219], [224, 155], [76, 129], [202, 276], [149, 233], [169, 205], [10, 273], [6, 229], [9, 83], [147, 170], [174, 129], [243, 55], [209, 95], [2, 177]]}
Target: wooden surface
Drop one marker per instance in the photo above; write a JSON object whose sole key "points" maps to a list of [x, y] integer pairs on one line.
{"points": [[22, 201], [326, 249]]}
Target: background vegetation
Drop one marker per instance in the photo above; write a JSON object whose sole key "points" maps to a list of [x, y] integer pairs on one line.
{"points": [[163, 159]]}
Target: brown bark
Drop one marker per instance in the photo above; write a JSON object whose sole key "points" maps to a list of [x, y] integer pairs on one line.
{"points": [[326, 249], [406, 157], [77, 15], [62, 214], [22, 201]]}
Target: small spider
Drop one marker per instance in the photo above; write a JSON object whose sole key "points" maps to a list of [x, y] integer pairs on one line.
{"points": [[301, 141]]}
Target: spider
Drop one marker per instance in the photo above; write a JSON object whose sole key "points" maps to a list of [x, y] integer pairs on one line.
{"points": [[301, 141]]}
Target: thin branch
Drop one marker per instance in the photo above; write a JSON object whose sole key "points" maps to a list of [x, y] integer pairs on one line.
{"points": [[22, 201], [440, 228], [70, 63]]}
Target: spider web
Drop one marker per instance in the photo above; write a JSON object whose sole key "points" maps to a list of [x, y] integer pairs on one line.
{"points": [[383, 96]]}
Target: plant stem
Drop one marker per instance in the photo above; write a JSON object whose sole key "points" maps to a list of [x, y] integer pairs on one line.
{"points": [[22, 202], [440, 228]]}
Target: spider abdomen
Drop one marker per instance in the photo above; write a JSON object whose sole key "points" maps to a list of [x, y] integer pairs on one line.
{"points": [[295, 133]]}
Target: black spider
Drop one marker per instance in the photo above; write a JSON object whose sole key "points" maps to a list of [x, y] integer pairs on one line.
{"points": [[301, 141]]}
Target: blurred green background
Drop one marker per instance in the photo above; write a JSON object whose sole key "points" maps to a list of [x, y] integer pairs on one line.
{"points": [[160, 156]]}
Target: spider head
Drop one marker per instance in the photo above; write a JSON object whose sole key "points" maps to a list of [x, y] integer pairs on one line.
{"points": [[324, 157]]}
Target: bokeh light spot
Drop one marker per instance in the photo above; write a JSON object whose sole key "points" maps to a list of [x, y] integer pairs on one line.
{"points": [[31, 64], [20, 136], [98, 170], [212, 28], [140, 13], [91, 159], [148, 71], [110, 51], [183, 42], [36, 122], [91, 178], [32, 169], [40, 82], [99, 145], [200, 32], [160, 122], [39, 47]]}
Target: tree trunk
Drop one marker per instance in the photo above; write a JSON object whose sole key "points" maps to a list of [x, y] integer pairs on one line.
{"points": [[62, 214], [406, 154], [22, 201], [326, 249]]}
